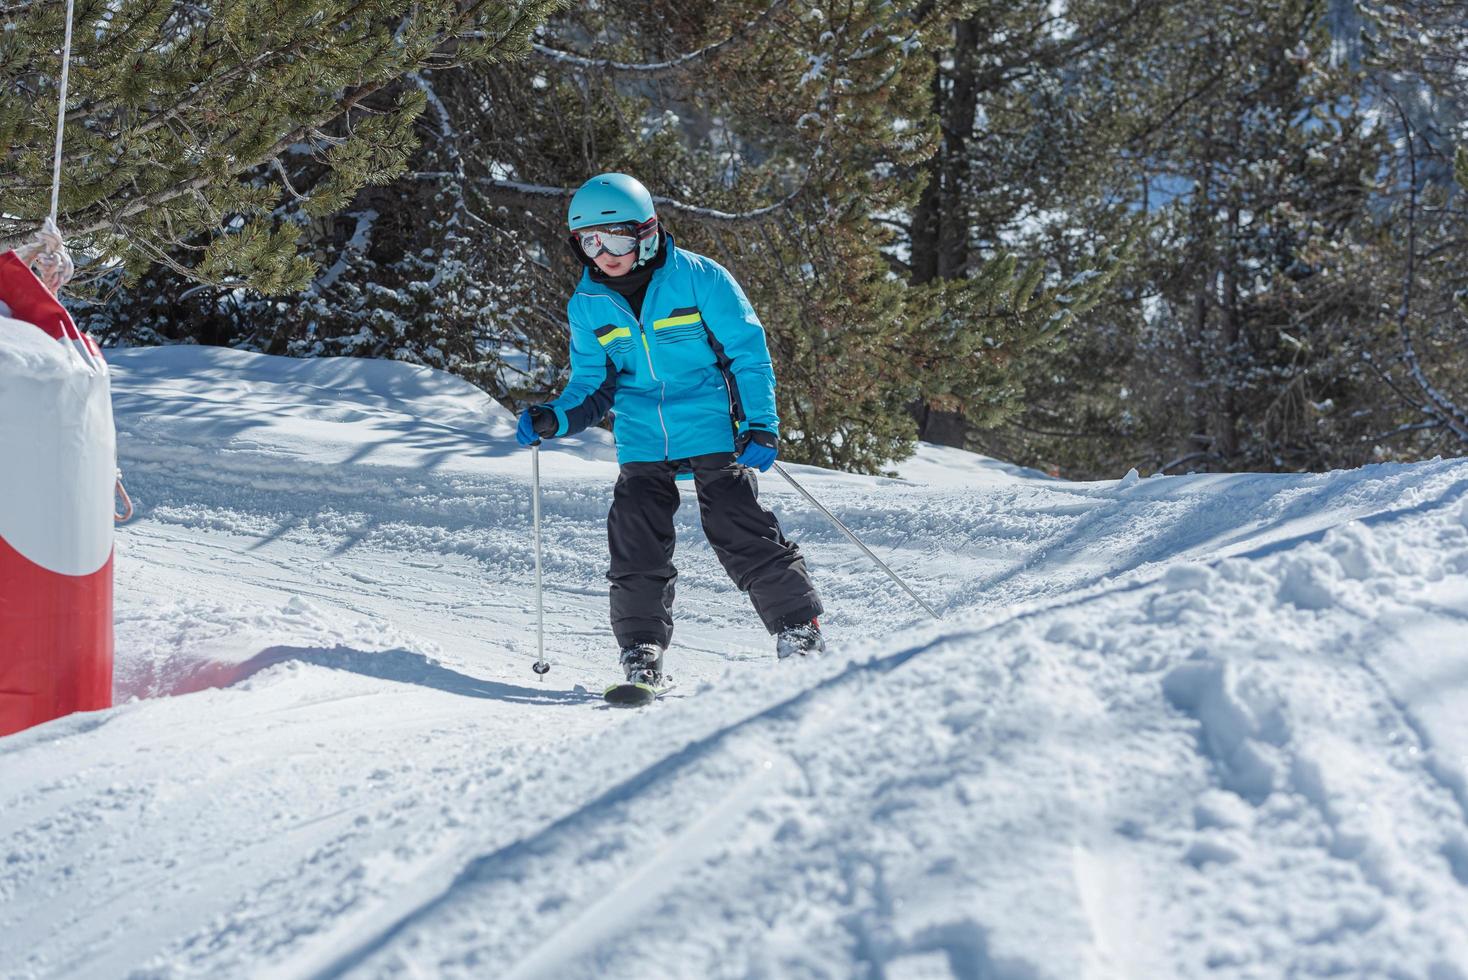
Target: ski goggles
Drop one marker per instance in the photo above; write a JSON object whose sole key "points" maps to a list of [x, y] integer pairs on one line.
{"points": [[593, 243]]}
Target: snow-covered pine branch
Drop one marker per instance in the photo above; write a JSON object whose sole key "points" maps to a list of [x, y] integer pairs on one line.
{"points": [[522, 189], [558, 56], [1432, 423], [355, 246]]}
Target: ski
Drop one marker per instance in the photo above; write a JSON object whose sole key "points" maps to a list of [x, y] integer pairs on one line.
{"points": [[632, 695]]}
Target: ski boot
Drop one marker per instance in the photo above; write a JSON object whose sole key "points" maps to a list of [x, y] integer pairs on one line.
{"points": [[801, 638], [643, 664]]}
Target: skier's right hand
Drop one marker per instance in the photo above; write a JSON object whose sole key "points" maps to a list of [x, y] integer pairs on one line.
{"points": [[536, 423]]}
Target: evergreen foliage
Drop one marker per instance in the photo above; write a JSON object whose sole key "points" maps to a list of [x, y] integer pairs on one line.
{"points": [[1416, 58], [777, 134], [1084, 236], [176, 108], [1271, 166], [1255, 325], [1021, 94]]}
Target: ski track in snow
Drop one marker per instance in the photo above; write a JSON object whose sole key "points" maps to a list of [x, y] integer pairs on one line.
{"points": [[1183, 726]]}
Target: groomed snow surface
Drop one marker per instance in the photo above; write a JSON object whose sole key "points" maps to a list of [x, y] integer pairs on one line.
{"points": [[1172, 727]]}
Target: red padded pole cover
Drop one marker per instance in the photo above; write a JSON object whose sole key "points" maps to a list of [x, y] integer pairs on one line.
{"points": [[58, 463], [55, 641]]}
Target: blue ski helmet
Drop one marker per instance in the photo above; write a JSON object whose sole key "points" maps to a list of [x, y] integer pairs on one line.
{"points": [[616, 199]]}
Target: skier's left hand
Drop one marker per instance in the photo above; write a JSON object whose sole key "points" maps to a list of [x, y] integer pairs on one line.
{"points": [[757, 448]]}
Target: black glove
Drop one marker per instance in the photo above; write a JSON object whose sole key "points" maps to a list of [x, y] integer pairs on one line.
{"points": [[537, 422], [543, 418]]}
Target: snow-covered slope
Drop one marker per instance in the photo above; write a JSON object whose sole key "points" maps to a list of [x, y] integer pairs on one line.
{"points": [[1168, 728]]}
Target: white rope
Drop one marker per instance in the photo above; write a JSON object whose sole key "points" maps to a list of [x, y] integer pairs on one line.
{"points": [[61, 111], [48, 257], [46, 253]]}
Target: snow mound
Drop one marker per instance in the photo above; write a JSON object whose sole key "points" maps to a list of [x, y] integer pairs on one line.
{"points": [[946, 466], [330, 384]]}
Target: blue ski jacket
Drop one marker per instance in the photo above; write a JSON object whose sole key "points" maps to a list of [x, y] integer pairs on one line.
{"points": [[680, 378]]}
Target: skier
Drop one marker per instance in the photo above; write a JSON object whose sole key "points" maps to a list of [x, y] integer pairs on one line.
{"points": [[667, 339]]}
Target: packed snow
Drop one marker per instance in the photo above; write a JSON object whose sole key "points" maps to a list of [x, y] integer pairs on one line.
{"points": [[1168, 727]]}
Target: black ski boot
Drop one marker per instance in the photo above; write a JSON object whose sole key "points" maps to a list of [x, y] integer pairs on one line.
{"points": [[801, 638], [643, 664]]}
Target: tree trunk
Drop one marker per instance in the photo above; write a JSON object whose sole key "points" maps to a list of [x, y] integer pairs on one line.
{"points": [[1226, 418], [1196, 361], [958, 127], [940, 227], [927, 216]]}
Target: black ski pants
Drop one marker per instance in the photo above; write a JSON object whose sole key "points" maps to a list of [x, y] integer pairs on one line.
{"points": [[744, 534]]}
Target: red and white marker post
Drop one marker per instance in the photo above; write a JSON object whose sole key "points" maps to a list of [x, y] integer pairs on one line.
{"points": [[58, 470]]}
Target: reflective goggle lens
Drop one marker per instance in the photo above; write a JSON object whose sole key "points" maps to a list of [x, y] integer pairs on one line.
{"points": [[593, 243]]}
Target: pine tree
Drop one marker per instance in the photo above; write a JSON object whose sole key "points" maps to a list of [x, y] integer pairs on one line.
{"points": [[1291, 301], [782, 138], [820, 124], [1273, 162], [758, 125], [1244, 156], [1411, 350], [1024, 124], [177, 109]]}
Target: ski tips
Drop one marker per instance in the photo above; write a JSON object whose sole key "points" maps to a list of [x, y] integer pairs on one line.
{"points": [[631, 694]]}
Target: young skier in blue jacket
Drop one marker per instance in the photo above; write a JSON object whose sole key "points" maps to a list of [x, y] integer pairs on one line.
{"points": [[666, 340]]}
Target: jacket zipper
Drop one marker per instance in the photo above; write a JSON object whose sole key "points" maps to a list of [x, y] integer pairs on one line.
{"points": [[662, 385]]}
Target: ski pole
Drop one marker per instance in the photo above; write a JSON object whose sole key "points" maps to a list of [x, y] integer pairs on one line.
{"points": [[541, 667], [855, 540]]}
